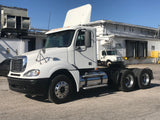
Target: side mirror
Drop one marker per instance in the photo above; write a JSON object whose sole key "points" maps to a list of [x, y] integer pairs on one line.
{"points": [[88, 38]]}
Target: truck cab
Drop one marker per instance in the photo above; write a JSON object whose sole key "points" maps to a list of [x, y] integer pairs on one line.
{"points": [[108, 56], [69, 54]]}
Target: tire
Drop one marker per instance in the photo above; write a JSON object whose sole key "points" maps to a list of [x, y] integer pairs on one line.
{"points": [[144, 77], [127, 81], [28, 95], [61, 89], [136, 71], [108, 63], [113, 77]]}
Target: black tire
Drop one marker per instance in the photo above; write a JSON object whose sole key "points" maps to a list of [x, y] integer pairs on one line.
{"points": [[136, 71], [144, 77], [127, 81], [113, 78], [61, 89]]}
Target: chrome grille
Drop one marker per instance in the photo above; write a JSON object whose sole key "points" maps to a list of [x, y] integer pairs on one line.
{"points": [[19, 64]]}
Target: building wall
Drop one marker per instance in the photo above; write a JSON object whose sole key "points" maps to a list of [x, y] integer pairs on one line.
{"points": [[40, 42], [12, 47], [153, 45], [143, 36], [128, 30]]}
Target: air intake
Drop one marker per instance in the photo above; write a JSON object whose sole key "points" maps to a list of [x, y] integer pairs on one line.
{"points": [[9, 22]]}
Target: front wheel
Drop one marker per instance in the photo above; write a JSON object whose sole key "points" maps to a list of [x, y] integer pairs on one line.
{"points": [[127, 80], [108, 63], [61, 89]]}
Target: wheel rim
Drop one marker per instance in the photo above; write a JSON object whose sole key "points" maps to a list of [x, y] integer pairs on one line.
{"points": [[129, 81], [109, 63], [61, 89], [145, 79]]}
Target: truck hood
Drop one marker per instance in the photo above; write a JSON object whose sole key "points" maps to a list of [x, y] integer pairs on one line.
{"points": [[46, 62], [50, 54]]}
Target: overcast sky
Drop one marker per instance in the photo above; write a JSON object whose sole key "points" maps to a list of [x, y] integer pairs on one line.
{"points": [[138, 12]]}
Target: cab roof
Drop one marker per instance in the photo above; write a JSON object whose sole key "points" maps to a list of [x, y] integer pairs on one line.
{"points": [[68, 28]]}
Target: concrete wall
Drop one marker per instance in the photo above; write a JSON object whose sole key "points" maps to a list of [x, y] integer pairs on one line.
{"points": [[39, 42], [153, 45], [12, 47]]}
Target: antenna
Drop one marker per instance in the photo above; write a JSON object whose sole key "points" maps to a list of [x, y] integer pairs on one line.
{"points": [[49, 20]]}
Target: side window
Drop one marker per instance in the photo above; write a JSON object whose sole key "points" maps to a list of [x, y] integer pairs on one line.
{"points": [[80, 39], [152, 47], [103, 53]]}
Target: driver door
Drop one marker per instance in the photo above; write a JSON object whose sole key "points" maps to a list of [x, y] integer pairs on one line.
{"points": [[84, 56]]}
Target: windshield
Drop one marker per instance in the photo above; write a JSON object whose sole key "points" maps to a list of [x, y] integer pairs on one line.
{"points": [[111, 53], [60, 39]]}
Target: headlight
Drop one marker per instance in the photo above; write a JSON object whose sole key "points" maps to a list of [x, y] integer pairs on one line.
{"points": [[31, 73]]}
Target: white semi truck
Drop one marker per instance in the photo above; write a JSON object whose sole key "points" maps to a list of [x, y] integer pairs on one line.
{"points": [[67, 64], [108, 56]]}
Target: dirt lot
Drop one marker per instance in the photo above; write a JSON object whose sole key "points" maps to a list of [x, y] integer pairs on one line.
{"points": [[96, 104]]}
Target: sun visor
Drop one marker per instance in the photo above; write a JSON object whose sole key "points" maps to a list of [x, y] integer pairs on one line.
{"points": [[77, 16]]}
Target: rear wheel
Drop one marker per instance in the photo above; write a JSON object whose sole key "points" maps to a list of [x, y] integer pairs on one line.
{"points": [[144, 77], [127, 80], [61, 89], [113, 78]]}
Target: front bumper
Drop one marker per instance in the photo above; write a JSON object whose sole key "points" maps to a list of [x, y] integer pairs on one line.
{"points": [[29, 86]]}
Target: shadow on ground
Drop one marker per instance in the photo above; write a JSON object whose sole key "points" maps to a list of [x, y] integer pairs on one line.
{"points": [[97, 92], [154, 85]]}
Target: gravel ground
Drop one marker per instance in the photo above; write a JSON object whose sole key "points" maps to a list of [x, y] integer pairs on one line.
{"points": [[95, 104]]}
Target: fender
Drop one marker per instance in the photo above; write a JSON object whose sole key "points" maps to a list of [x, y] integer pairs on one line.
{"points": [[74, 75]]}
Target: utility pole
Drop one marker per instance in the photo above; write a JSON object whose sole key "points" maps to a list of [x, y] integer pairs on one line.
{"points": [[158, 32]]}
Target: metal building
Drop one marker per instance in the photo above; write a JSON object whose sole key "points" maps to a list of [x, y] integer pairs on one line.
{"points": [[16, 36]]}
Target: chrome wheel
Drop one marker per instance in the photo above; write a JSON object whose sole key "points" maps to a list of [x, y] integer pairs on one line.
{"points": [[129, 81], [145, 79], [61, 89], [108, 63]]}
